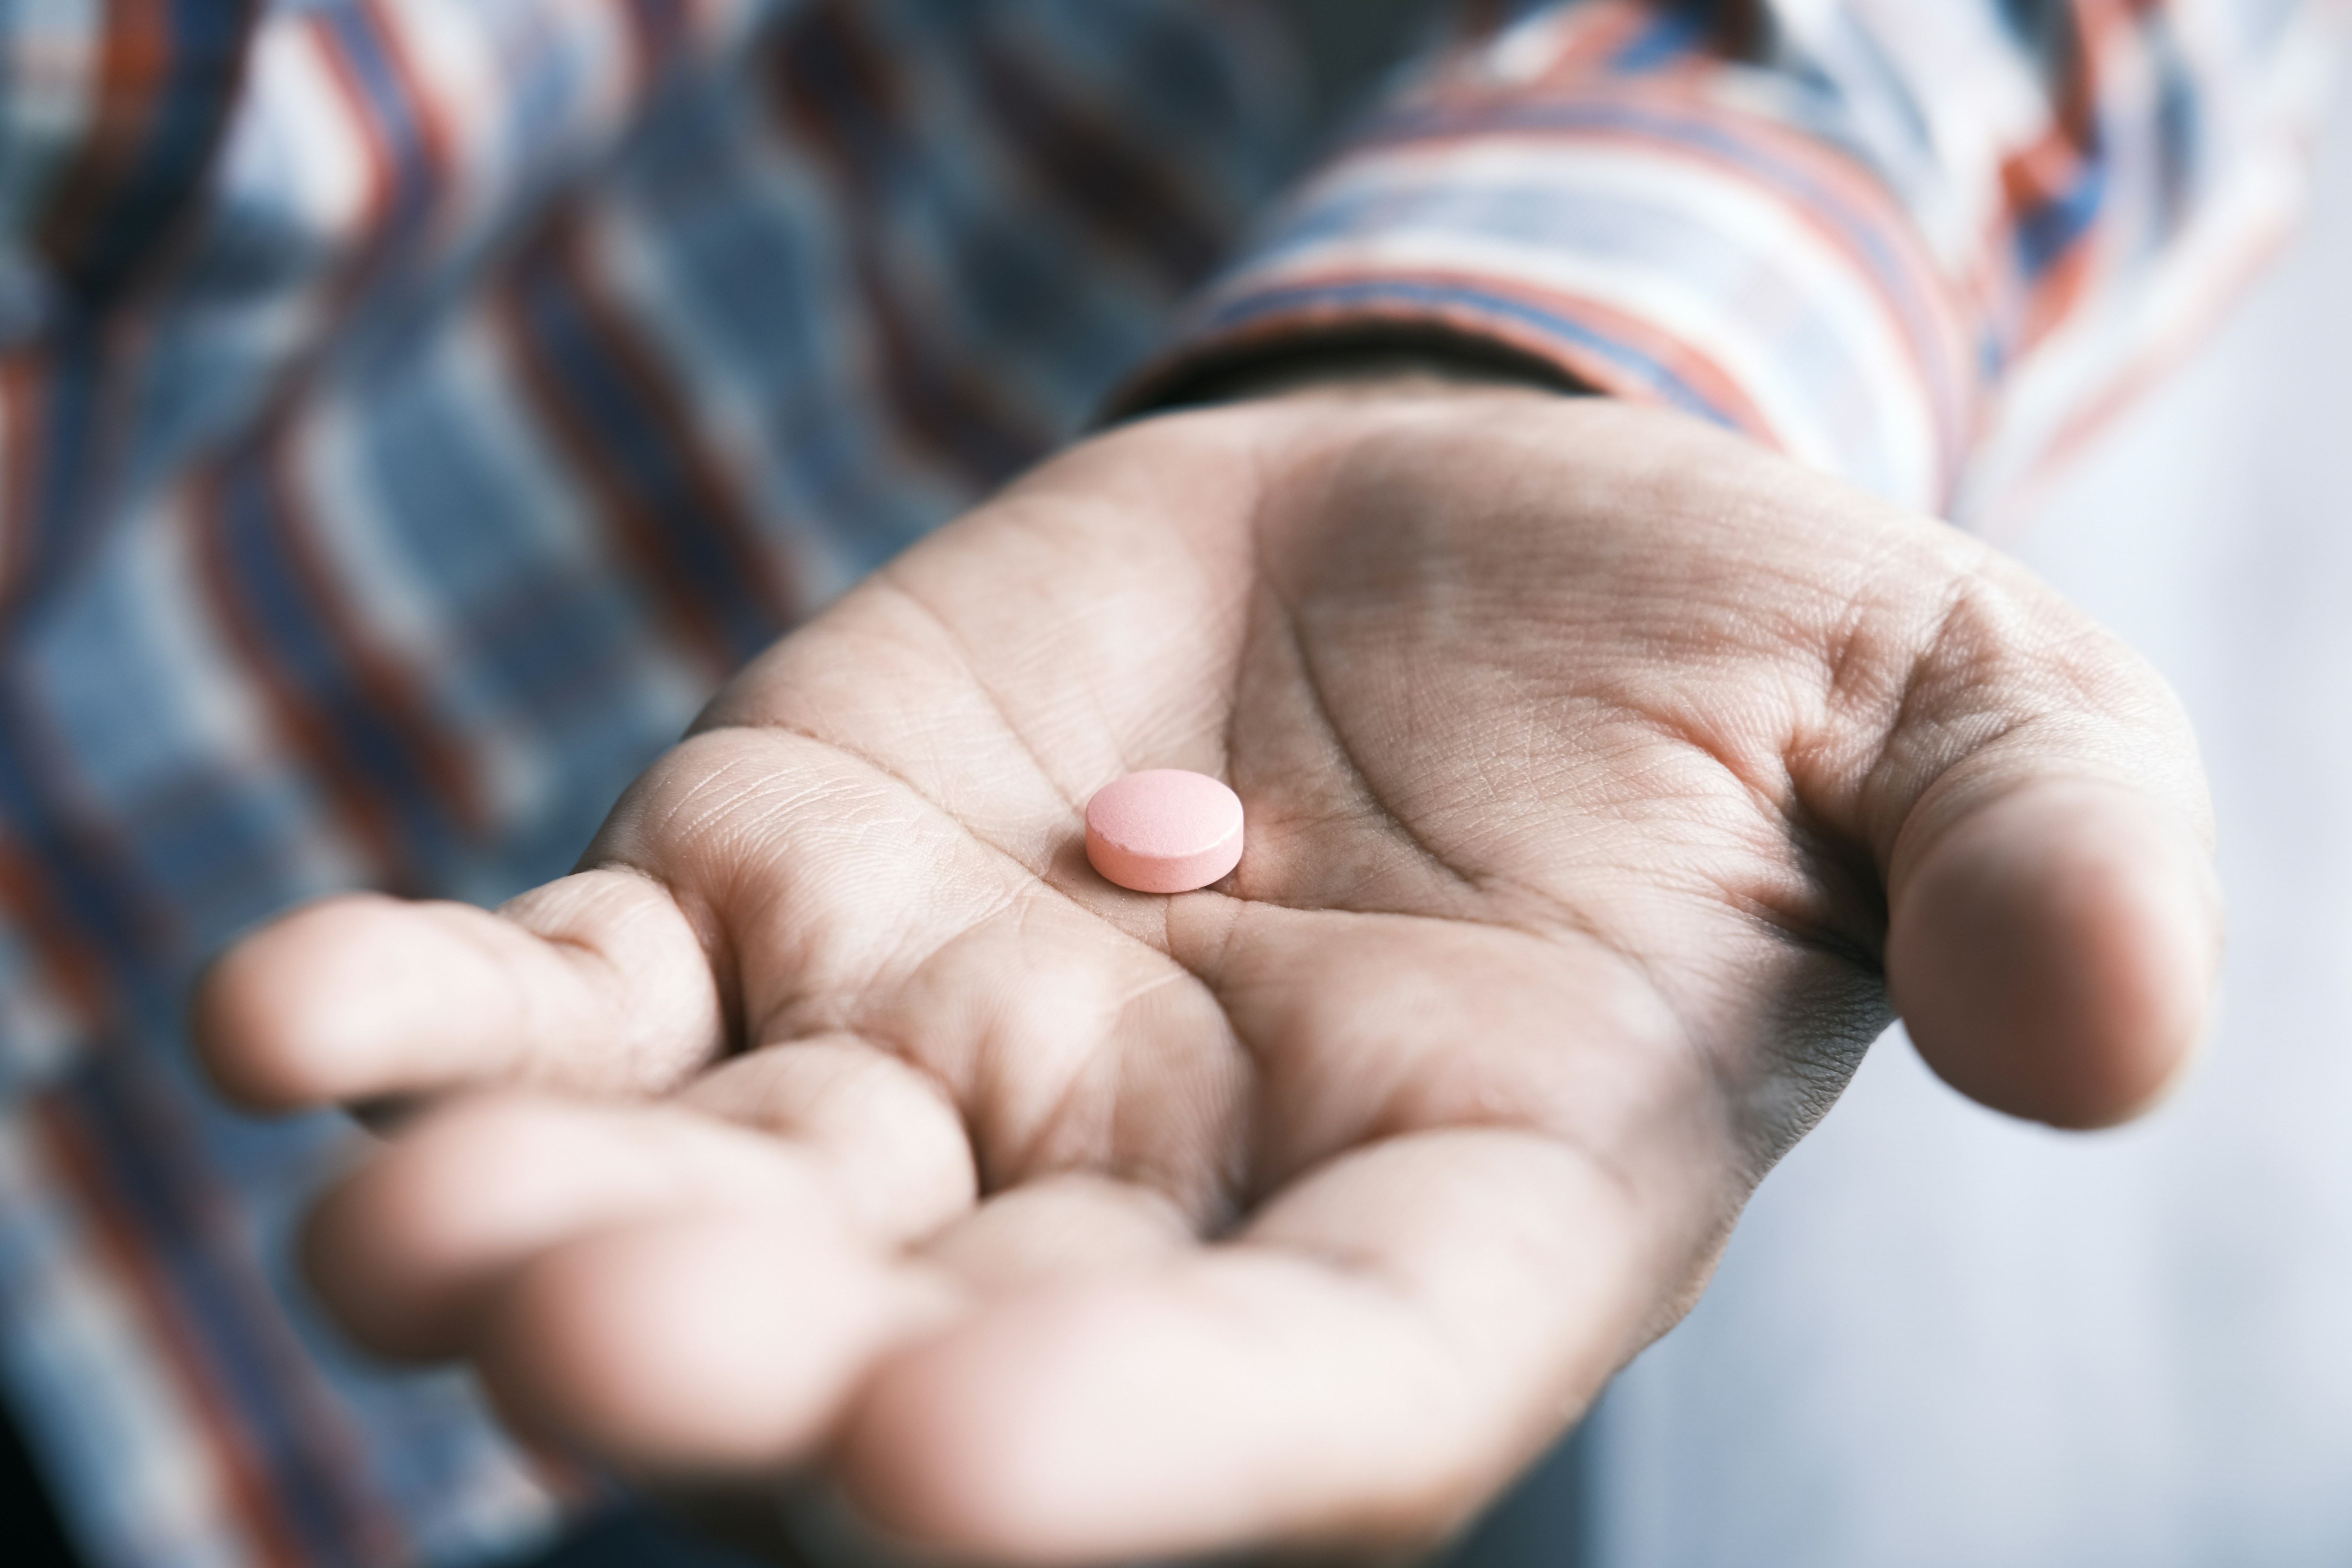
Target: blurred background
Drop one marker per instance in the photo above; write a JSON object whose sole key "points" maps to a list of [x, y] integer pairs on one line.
{"points": [[1942, 1338]]}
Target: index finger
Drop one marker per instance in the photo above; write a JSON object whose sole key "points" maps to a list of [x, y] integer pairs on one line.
{"points": [[599, 978]]}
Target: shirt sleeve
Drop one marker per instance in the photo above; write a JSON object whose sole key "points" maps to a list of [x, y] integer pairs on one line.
{"points": [[1926, 245]]}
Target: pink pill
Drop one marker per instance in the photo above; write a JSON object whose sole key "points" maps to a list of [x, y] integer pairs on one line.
{"points": [[1165, 831]]}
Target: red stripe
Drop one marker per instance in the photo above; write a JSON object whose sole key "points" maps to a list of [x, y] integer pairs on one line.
{"points": [[76, 890], [1938, 346], [392, 692], [115, 1237], [2130, 382], [376, 154], [559, 254], [383, 685], [1854, 186], [72, 966], [142, 1170], [1935, 347], [934, 399], [21, 422], [134, 59], [1095, 174], [2044, 170], [1684, 361], [384, 163], [653, 35], [433, 128]]}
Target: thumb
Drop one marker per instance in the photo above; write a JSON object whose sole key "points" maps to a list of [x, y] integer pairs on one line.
{"points": [[2055, 925], [2054, 953]]}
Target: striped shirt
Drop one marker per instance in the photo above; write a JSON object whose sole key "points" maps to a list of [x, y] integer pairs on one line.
{"points": [[410, 409]]}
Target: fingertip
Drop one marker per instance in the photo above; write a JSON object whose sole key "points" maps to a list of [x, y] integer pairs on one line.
{"points": [[693, 1348], [402, 1250], [621, 1345], [2053, 954], [1103, 1421], [954, 1446], [274, 1019]]}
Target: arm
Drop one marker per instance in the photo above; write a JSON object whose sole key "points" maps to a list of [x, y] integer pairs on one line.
{"points": [[1924, 248], [1608, 777]]}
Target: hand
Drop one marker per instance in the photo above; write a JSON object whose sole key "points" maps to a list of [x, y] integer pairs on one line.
{"points": [[1605, 777]]}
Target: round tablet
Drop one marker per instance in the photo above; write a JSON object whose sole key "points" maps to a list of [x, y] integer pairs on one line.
{"points": [[1165, 831]]}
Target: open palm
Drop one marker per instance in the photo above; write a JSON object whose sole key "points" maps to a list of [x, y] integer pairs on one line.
{"points": [[1603, 773]]}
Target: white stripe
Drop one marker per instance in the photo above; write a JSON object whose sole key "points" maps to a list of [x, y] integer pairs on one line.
{"points": [[1767, 227], [1763, 232], [478, 62], [1989, 98], [296, 151], [466, 90]]}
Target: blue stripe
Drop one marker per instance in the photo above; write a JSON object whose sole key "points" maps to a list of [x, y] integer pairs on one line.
{"points": [[171, 1203], [1724, 142], [252, 530], [72, 482], [206, 42], [2049, 230], [1670, 39], [97, 903], [691, 538]]}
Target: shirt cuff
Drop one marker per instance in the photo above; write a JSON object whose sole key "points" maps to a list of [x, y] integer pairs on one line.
{"points": [[1654, 239]]}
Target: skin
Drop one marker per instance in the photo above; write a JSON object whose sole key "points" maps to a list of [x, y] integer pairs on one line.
{"points": [[1611, 785]]}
